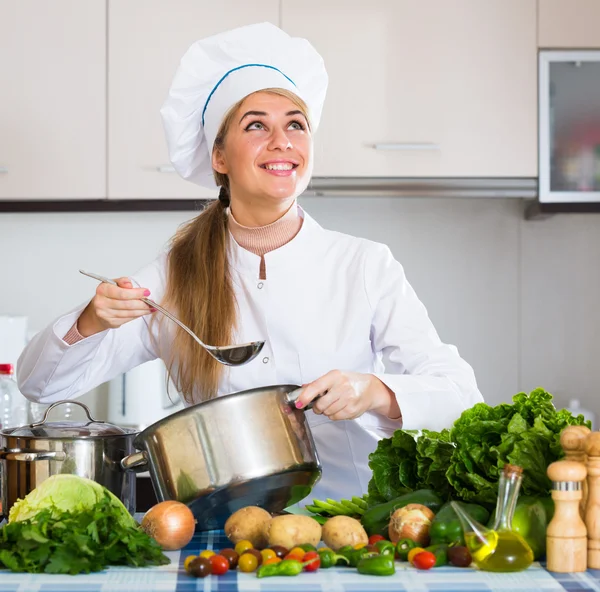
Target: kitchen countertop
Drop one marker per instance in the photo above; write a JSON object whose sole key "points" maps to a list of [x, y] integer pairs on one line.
{"points": [[173, 578]]}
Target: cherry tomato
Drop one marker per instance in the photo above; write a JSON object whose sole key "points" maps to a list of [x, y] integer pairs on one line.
{"points": [[375, 538], [231, 556], [313, 561], [267, 554], [272, 560], [257, 554], [247, 563], [413, 552], [188, 560], [299, 551], [280, 551], [424, 560], [219, 565], [207, 554], [243, 546], [294, 556], [200, 567]]}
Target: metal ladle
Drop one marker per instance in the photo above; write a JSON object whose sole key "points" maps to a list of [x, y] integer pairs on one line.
{"points": [[229, 355]]}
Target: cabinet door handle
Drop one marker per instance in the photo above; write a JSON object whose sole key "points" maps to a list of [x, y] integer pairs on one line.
{"points": [[3, 170], [406, 146], [165, 168]]}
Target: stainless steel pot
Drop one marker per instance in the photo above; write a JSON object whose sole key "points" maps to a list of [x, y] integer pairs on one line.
{"points": [[30, 454], [248, 448]]}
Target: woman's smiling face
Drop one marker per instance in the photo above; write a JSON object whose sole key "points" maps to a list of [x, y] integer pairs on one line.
{"points": [[268, 150]]}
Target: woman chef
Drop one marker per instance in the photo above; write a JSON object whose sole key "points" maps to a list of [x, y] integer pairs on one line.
{"points": [[242, 111]]}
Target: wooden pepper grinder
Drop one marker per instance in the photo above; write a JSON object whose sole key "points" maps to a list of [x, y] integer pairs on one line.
{"points": [[592, 511], [573, 440], [566, 537]]}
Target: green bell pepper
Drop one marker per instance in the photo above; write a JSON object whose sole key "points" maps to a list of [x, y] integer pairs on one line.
{"points": [[531, 518], [330, 558], [441, 554], [446, 527], [287, 567], [385, 548], [403, 548], [354, 555], [380, 565]]}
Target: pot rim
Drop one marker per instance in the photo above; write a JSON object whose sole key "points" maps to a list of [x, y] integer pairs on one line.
{"points": [[128, 433], [284, 388]]}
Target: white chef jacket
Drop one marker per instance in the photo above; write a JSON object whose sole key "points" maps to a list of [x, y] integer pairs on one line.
{"points": [[331, 301]]}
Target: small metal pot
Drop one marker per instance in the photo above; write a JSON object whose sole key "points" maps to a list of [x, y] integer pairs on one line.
{"points": [[30, 454], [244, 449]]}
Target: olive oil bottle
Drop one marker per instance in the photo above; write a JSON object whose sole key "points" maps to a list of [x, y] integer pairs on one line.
{"points": [[499, 548]]}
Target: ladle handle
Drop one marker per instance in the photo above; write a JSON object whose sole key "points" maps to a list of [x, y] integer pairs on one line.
{"points": [[149, 302]]}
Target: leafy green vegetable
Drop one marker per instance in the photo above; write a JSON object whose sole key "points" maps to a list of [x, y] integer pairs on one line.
{"points": [[62, 493], [465, 462], [77, 542]]}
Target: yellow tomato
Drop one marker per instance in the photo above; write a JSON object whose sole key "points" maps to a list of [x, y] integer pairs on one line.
{"points": [[268, 554], [243, 546], [248, 562], [359, 545], [207, 554]]}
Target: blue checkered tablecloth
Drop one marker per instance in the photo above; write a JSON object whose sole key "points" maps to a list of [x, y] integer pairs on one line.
{"points": [[173, 578]]}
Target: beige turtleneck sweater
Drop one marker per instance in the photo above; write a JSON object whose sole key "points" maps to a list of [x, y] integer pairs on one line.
{"points": [[258, 240]]}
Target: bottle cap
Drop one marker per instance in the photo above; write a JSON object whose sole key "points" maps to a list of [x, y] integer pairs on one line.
{"points": [[7, 369]]}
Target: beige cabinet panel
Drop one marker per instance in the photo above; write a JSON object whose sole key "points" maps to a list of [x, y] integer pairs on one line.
{"points": [[53, 99], [569, 23], [443, 89], [147, 38]]}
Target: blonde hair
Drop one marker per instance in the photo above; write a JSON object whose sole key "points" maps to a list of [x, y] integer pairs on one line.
{"points": [[199, 287]]}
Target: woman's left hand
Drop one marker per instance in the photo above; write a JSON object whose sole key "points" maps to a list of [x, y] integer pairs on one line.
{"points": [[347, 395]]}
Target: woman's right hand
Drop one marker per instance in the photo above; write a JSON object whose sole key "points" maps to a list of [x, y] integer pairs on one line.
{"points": [[112, 307]]}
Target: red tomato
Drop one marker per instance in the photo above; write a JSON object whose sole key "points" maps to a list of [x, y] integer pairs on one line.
{"points": [[219, 564], [313, 559], [374, 538], [424, 560]]}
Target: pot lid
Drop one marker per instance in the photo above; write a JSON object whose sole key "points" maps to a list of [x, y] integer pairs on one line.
{"points": [[68, 429]]}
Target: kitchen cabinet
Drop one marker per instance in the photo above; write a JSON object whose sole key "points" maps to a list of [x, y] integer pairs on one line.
{"points": [[52, 99], [568, 24], [430, 88], [147, 38]]}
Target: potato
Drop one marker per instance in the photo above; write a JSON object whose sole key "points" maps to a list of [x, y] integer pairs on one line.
{"points": [[248, 524], [291, 530], [343, 530]]}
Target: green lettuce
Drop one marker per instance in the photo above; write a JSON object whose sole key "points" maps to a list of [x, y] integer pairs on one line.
{"points": [[465, 462]]}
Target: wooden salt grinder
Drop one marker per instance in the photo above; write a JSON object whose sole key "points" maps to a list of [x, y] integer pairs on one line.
{"points": [[566, 537], [573, 441], [592, 511]]}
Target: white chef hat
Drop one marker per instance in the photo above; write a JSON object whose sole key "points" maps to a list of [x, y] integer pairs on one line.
{"points": [[217, 72]]}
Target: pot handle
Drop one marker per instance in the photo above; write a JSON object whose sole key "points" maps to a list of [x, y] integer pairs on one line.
{"points": [[85, 407], [137, 461], [31, 455], [292, 397]]}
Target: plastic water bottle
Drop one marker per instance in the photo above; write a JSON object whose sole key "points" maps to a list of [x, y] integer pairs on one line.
{"points": [[8, 393]]}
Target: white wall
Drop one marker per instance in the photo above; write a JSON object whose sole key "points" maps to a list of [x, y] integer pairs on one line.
{"points": [[518, 298]]}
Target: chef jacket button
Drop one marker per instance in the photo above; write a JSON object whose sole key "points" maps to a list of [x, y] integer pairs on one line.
{"points": [[260, 285], [265, 360]]}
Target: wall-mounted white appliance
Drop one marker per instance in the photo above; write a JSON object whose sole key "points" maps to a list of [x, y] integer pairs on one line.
{"points": [[139, 398], [569, 126]]}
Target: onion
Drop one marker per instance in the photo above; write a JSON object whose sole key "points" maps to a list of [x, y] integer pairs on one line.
{"points": [[171, 524], [411, 522]]}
